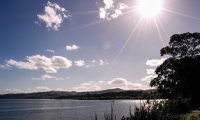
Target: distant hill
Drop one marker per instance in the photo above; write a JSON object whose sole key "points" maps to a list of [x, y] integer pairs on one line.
{"points": [[103, 94]]}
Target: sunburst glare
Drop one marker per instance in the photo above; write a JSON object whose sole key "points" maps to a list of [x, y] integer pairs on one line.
{"points": [[149, 8]]}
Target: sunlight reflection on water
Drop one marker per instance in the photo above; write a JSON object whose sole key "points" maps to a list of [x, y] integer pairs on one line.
{"points": [[63, 109]]}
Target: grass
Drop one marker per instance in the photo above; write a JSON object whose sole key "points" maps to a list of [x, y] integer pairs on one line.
{"points": [[157, 110], [110, 116], [194, 115]]}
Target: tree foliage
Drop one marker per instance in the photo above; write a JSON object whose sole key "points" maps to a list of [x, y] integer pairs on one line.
{"points": [[179, 74], [183, 45]]}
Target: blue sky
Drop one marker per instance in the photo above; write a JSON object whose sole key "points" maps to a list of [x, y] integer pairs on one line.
{"points": [[87, 45]]}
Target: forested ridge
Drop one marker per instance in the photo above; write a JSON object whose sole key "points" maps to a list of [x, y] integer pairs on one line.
{"points": [[93, 95]]}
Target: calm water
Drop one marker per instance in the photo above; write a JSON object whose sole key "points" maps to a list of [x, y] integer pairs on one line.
{"points": [[62, 109]]}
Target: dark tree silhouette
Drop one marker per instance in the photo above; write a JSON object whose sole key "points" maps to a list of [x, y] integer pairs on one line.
{"points": [[180, 73]]}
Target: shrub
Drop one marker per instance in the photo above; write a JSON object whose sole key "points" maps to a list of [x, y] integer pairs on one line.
{"points": [[158, 110]]}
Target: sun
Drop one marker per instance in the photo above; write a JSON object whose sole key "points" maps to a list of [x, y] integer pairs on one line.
{"points": [[149, 8]]}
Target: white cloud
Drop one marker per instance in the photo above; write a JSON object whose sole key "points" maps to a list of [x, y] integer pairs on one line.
{"points": [[126, 85], [134, 86], [94, 63], [13, 90], [33, 78], [73, 47], [108, 4], [50, 65], [3, 66], [54, 15], [91, 81], [102, 82], [101, 62], [79, 63], [89, 86], [89, 64], [117, 13], [29, 89], [86, 84], [50, 51], [150, 71], [21, 65], [155, 62], [149, 78], [42, 88], [45, 77], [115, 83], [118, 81], [102, 13], [60, 89], [121, 6], [111, 10], [37, 23], [86, 88]]}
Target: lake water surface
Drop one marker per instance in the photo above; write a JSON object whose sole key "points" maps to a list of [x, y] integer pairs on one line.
{"points": [[51, 109]]}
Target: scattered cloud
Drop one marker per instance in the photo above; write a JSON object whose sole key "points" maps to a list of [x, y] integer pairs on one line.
{"points": [[13, 91], [101, 62], [118, 81], [134, 86], [86, 84], [29, 89], [155, 62], [115, 83], [102, 82], [111, 9], [150, 71], [79, 63], [16, 91], [37, 23], [126, 85], [3, 66], [45, 77], [73, 47], [60, 89], [54, 15], [42, 88], [86, 88], [108, 3], [50, 51], [49, 65], [94, 63], [21, 65], [89, 64], [90, 86], [149, 78]]}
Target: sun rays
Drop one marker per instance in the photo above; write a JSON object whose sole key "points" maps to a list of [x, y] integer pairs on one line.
{"points": [[180, 14], [124, 46], [87, 25], [145, 11], [149, 8]]}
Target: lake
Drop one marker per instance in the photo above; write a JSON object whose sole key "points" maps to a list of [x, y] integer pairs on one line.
{"points": [[52, 109]]}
